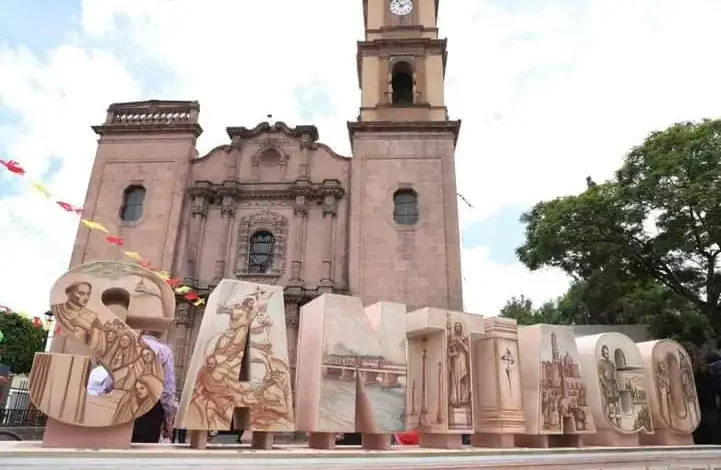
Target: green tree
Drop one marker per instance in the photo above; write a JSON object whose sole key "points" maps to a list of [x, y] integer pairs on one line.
{"points": [[22, 341], [522, 310], [656, 223]]}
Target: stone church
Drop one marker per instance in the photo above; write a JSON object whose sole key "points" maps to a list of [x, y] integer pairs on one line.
{"points": [[274, 205]]}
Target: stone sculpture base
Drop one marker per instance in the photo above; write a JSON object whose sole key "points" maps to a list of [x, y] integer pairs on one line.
{"points": [[259, 440], [604, 438], [321, 440], [441, 441], [662, 437], [548, 441], [494, 441], [376, 441], [62, 435], [30, 455]]}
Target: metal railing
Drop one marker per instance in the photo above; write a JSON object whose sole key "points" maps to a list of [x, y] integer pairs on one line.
{"points": [[17, 411]]}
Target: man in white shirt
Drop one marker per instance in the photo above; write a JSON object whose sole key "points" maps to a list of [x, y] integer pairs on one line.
{"points": [[98, 381]]}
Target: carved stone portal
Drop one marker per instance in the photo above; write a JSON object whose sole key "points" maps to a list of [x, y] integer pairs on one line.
{"points": [[263, 220]]}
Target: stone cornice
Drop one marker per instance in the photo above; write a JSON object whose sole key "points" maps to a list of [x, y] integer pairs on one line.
{"points": [[194, 129], [242, 191], [379, 46], [402, 27], [243, 133], [454, 127]]}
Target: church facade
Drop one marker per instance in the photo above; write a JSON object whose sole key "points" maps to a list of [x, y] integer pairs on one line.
{"points": [[274, 205]]}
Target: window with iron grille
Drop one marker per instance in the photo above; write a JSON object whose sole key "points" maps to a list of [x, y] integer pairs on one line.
{"points": [[260, 254], [405, 211], [132, 208]]}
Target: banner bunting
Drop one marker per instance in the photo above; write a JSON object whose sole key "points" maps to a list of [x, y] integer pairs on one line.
{"points": [[188, 294]]}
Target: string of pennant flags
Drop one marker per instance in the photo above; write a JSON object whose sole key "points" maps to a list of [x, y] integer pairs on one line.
{"points": [[177, 284]]}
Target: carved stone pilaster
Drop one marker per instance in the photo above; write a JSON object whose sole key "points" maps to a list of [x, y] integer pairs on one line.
{"points": [[199, 200], [330, 205], [180, 340], [199, 195], [292, 314], [184, 315], [300, 206], [300, 210], [330, 210], [228, 194]]}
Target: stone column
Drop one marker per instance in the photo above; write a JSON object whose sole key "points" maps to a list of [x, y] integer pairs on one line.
{"points": [[300, 210], [292, 323], [198, 213], [330, 210], [180, 340], [227, 214], [305, 146]]}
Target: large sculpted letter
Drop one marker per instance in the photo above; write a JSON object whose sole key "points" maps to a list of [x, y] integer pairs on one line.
{"points": [[672, 393], [440, 374], [239, 317], [498, 404], [90, 303], [555, 396], [618, 392], [351, 374]]}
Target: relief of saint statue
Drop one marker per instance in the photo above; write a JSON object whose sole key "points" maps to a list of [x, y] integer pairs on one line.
{"points": [[459, 378]]}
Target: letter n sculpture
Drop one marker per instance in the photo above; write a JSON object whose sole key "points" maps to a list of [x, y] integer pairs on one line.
{"points": [[351, 374]]}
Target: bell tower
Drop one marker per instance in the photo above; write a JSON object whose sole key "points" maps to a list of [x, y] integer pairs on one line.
{"points": [[404, 240]]}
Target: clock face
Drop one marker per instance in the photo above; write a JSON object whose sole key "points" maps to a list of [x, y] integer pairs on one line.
{"points": [[401, 7]]}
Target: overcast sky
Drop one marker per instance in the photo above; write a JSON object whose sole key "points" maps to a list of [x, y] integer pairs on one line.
{"points": [[549, 91]]}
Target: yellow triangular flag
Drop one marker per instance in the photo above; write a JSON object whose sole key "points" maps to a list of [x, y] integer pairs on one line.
{"points": [[94, 226], [164, 275], [133, 254], [182, 290], [199, 302], [39, 187]]}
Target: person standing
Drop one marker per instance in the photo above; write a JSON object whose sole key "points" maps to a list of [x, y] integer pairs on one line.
{"points": [[158, 422]]}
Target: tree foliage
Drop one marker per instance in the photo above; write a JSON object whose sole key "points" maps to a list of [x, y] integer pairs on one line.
{"points": [[22, 341], [651, 234]]}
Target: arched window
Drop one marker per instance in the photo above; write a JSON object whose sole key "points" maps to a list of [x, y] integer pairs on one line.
{"points": [[260, 255], [405, 210], [402, 83], [132, 207]]}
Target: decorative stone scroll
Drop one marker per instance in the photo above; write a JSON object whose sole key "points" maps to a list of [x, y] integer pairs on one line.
{"points": [[555, 395], [440, 374], [617, 389], [351, 373], [240, 316], [672, 393], [90, 303]]}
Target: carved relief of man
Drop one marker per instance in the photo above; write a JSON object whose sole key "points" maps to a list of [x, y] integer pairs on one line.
{"points": [[607, 378], [687, 385], [216, 393], [458, 367], [74, 316], [231, 343]]}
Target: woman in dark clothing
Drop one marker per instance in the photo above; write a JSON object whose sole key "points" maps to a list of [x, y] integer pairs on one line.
{"points": [[147, 428], [708, 388]]}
